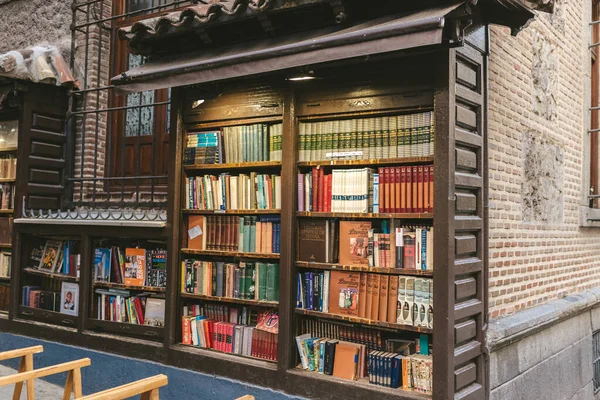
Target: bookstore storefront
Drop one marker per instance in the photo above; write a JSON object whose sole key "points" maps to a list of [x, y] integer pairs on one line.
{"points": [[326, 229]]}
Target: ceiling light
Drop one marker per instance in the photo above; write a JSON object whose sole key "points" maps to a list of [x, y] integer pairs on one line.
{"points": [[302, 78], [197, 103]]}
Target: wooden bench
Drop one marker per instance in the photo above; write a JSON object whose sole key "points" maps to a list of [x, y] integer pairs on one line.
{"points": [[147, 388], [26, 364], [73, 382], [246, 397]]}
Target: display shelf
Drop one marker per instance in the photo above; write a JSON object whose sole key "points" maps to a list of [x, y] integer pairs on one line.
{"points": [[364, 321], [4, 279], [231, 212], [129, 287], [62, 277], [7, 180], [147, 331], [52, 317], [235, 254], [233, 300], [271, 364], [308, 214], [8, 149], [368, 163], [363, 268], [5, 245], [9, 211], [232, 166]]}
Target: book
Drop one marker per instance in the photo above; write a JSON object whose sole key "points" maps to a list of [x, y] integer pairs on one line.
{"points": [[69, 298], [155, 312], [344, 293], [346, 361], [353, 242], [135, 266], [313, 240], [51, 255], [102, 259]]}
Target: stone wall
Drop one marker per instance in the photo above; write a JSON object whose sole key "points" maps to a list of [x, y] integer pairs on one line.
{"points": [[538, 161]]}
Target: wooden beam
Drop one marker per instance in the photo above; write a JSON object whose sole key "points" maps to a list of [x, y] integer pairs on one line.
{"points": [[42, 372], [7, 355], [147, 388]]}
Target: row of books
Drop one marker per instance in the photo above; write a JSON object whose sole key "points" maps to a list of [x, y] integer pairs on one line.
{"points": [[363, 190], [360, 243], [243, 280], [225, 192], [7, 198], [66, 301], [203, 148], [8, 168], [120, 306], [387, 298], [259, 340], [56, 256], [131, 266], [4, 296], [251, 143], [5, 264], [409, 135], [259, 234], [393, 370], [242, 315]]}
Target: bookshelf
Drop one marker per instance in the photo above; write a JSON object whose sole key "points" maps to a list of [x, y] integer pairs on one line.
{"points": [[128, 287], [229, 247]]}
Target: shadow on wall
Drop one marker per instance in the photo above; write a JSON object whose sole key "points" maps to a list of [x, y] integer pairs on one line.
{"points": [[108, 370]]}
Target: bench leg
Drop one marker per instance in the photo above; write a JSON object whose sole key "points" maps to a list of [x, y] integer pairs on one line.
{"points": [[68, 386], [151, 395], [19, 385], [25, 365], [77, 383]]}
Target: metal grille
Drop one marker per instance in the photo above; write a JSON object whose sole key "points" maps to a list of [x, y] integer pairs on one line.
{"points": [[117, 144], [596, 356]]}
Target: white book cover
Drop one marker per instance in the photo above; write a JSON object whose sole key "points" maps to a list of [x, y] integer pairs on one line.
{"points": [[326, 278], [300, 343], [407, 309], [194, 332], [429, 249], [418, 245], [277, 182], [401, 299], [69, 298], [233, 191], [430, 306]]}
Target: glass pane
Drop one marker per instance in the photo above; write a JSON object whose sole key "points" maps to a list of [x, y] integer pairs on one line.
{"points": [[136, 5], [9, 132], [140, 120]]}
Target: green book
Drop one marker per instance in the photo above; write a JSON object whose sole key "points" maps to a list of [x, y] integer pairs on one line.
{"points": [[272, 282], [242, 278], [240, 234], [244, 147], [249, 283], [265, 141], [261, 272], [247, 236], [252, 245]]}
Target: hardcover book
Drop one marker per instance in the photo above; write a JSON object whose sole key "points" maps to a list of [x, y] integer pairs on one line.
{"points": [[69, 298], [135, 266], [102, 259], [155, 312], [354, 242], [51, 255], [313, 240], [343, 293]]}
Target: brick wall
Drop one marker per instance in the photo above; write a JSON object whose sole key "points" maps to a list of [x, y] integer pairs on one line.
{"points": [[538, 145]]}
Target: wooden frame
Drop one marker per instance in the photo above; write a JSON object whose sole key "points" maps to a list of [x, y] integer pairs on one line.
{"points": [[147, 389], [25, 365]]}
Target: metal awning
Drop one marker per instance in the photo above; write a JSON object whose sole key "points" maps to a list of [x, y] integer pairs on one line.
{"points": [[383, 35]]}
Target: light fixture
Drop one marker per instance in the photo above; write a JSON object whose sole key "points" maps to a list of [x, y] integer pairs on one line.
{"points": [[197, 103], [302, 76]]}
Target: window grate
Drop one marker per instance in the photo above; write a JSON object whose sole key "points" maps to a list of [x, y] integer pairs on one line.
{"points": [[596, 357]]}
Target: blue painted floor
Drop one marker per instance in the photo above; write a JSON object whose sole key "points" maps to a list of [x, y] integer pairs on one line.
{"points": [[109, 370]]}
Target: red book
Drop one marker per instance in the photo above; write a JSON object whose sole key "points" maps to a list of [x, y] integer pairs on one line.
{"points": [[138, 308], [186, 330], [254, 343], [420, 194], [415, 192], [392, 188], [208, 336], [397, 180], [426, 188], [386, 189], [328, 196], [402, 189], [276, 345], [381, 190], [431, 188], [315, 189], [408, 181], [321, 194]]}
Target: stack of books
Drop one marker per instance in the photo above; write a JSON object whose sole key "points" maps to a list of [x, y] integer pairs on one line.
{"points": [[260, 234], [121, 306], [364, 190], [230, 331], [225, 192], [245, 280], [203, 148], [252, 143], [410, 135]]}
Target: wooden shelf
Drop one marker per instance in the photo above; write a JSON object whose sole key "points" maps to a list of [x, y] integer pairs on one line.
{"points": [[363, 268], [231, 212], [217, 352], [364, 321], [364, 215], [8, 149], [5, 245], [52, 317], [147, 331], [7, 180], [230, 300], [368, 163], [10, 211], [129, 287], [364, 382], [4, 279], [62, 277], [217, 253], [233, 166]]}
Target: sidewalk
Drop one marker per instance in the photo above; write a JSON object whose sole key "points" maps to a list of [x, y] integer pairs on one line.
{"points": [[43, 390]]}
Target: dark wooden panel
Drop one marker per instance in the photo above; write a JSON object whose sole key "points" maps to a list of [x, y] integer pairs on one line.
{"points": [[466, 202], [467, 308], [37, 202], [465, 244], [466, 74], [468, 180], [47, 123], [46, 149], [467, 352], [464, 331], [466, 159], [471, 392], [465, 288], [465, 376], [467, 265], [44, 176], [467, 223], [468, 138], [466, 117], [54, 137], [41, 189]]}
